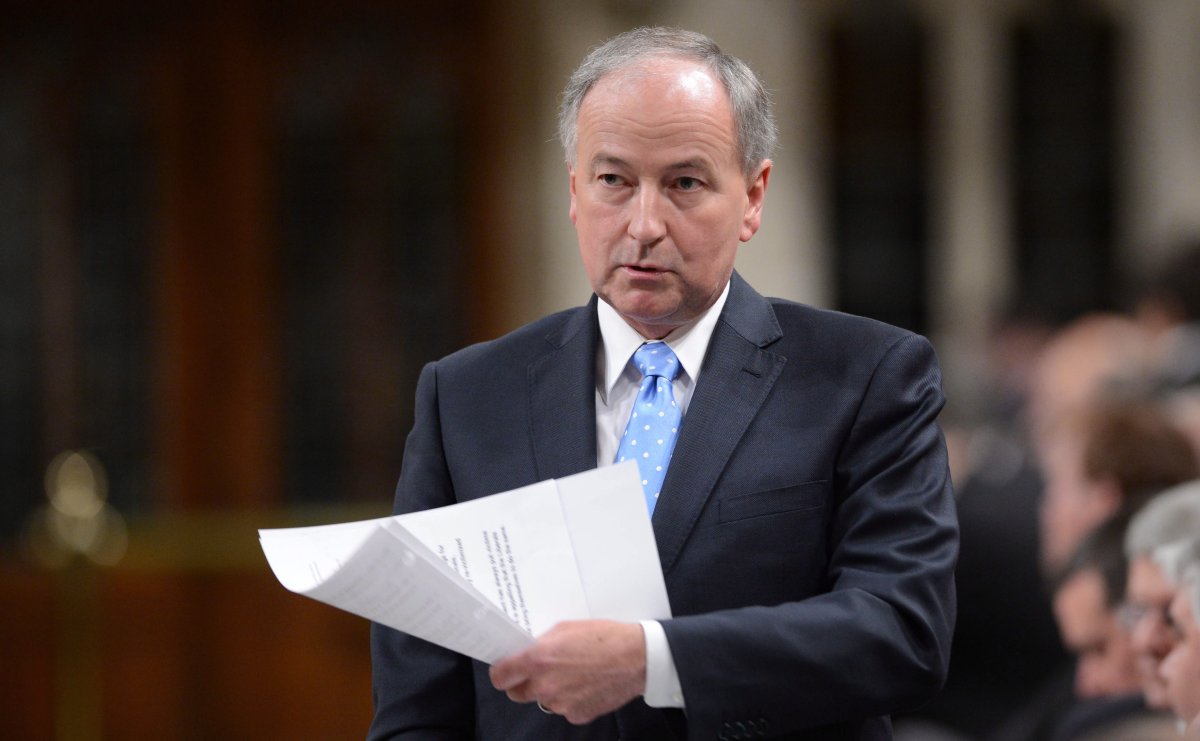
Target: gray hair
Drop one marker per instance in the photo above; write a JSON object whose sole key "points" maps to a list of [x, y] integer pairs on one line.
{"points": [[1180, 563], [1191, 580], [1171, 516], [1176, 558], [754, 124]]}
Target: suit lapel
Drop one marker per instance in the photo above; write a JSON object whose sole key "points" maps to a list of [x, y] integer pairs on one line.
{"points": [[562, 398], [736, 379]]}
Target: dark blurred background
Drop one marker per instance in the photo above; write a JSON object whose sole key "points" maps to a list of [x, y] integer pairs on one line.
{"points": [[231, 234]]}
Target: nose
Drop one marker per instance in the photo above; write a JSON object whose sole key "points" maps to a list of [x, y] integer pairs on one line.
{"points": [[646, 222], [1150, 635]]}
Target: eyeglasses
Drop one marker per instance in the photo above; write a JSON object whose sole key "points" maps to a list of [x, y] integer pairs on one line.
{"points": [[1129, 614]]}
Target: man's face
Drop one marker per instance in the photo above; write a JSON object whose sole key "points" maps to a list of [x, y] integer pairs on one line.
{"points": [[658, 195], [1072, 505], [1105, 663], [1180, 669], [1149, 595]]}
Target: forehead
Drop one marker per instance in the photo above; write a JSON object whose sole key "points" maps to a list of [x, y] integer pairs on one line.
{"points": [[1147, 582], [664, 106]]}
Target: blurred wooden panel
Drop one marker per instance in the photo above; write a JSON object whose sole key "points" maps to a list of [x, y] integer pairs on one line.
{"points": [[144, 642], [231, 238], [220, 406], [27, 688], [228, 656], [158, 149], [170, 655]]}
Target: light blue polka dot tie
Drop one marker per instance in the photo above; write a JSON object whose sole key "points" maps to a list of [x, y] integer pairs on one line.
{"points": [[654, 423]]}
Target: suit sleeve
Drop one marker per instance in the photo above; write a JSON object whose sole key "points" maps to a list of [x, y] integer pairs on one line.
{"points": [[421, 691], [878, 640]]}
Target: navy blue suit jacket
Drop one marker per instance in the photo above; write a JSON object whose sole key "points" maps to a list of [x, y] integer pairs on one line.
{"points": [[806, 526]]}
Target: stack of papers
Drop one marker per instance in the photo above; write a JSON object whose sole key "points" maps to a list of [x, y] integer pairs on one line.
{"points": [[485, 577]]}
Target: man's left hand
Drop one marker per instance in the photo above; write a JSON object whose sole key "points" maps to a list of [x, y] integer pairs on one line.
{"points": [[578, 669]]}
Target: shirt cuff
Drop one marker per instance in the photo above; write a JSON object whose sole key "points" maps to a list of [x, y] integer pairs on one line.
{"points": [[662, 681]]}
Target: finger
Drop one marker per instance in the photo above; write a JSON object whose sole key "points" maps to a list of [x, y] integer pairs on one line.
{"points": [[508, 673], [576, 718], [522, 693]]}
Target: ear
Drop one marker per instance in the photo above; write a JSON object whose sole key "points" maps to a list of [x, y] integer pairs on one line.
{"points": [[756, 192], [571, 186]]}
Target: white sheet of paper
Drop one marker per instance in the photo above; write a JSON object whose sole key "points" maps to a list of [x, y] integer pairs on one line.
{"points": [[390, 577], [514, 548], [483, 577], [615, 550]]}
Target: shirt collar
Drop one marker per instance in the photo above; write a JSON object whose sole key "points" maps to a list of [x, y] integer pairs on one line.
{"points": [[619, 341]]}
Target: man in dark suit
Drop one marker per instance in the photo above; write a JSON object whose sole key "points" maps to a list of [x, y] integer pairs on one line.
{"points": [[804, 521]]}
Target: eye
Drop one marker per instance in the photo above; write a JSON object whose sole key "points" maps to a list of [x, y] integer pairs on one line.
{"points": [[687, 183], [610, 179]]}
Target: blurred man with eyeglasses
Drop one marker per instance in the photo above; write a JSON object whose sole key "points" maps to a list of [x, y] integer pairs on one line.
{"points": [[1180, 669], [1171, 517], [1087, 606]]}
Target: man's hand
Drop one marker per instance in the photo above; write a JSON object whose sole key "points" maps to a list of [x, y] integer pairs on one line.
{"points": [[578, 669]]}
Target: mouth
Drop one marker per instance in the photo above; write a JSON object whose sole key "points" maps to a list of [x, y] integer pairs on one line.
{"points": [[643, 269]]}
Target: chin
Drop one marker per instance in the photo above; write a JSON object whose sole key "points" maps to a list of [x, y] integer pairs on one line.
{"points": [[648, 312]]}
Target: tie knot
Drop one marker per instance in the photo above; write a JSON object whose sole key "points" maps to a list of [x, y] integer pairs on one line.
{"points": [[656, 359]]}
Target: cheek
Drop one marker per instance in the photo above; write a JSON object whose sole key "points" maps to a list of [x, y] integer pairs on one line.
{"points": [[594, 263], [1192, 666], [1169, 668], [705, 247], [600, 223], [590, 226]]}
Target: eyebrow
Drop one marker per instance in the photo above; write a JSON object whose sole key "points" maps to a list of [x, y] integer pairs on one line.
{"points": [[701, 165], [607, 159], [692, 164]]}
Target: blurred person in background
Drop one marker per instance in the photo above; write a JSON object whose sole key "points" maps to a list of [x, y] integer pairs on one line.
{"points": [[1170, 517], [1102, 456], [1087, 601], [1007, 665], [1106, 460], [1081, 363], [1180, 670], [1005, 640]]}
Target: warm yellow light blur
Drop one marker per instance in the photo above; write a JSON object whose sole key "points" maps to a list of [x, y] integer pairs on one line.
{"points": [[76, 484], [78, 520]]}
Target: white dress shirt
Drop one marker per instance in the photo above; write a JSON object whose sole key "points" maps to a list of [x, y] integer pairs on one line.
{"points": [[617, 384]]}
